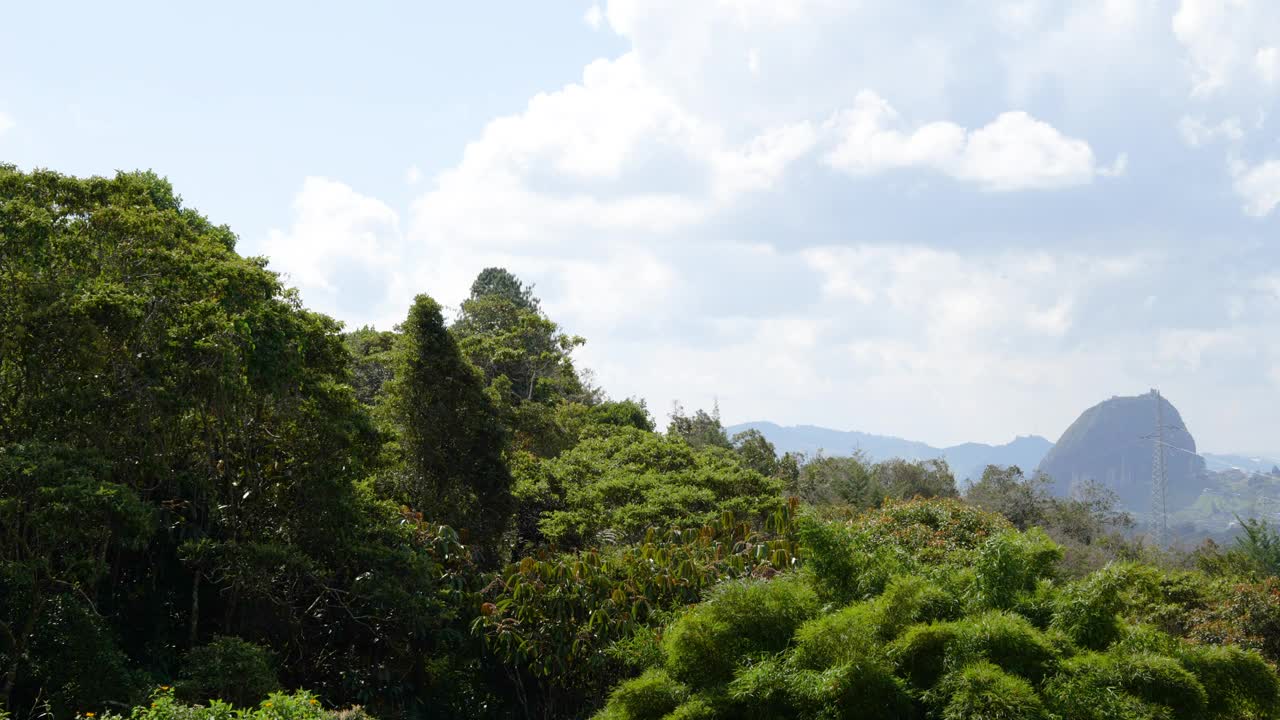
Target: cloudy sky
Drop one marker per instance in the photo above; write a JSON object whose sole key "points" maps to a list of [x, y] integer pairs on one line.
{"points": [[945, 221]]}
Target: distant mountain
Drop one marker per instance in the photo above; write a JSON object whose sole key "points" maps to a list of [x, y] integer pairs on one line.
{"points": [[967, 461], [1248, 463], [1109, 443]]}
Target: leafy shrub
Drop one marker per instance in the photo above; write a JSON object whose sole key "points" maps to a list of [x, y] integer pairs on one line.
{"points": [[1161, 680], [910, 599], [982, 691], [1009, 564], [920, 653], [277, 706], [943, 532], [1087, 611], [1244, 614], [1006, 640], [556, 617], [865, 690], [695, 708], [1238, 683], [742, 617], [836, 638], [229, 669], [648, 697], [1117, 685]]}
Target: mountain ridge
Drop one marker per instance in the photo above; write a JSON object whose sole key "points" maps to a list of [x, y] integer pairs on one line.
{"points": [[967, 460]]}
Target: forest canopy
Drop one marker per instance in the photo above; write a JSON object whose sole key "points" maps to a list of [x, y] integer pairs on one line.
{"points": [[213, 500]]}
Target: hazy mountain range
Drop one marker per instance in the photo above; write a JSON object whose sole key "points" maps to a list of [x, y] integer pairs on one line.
{"points": [[966, 460]]}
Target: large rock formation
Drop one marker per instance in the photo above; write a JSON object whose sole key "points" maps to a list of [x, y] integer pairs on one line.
{"points": [[1109, 443]]}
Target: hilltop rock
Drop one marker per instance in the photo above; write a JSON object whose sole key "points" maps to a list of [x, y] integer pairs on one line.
{"points": [[1107, 443]]}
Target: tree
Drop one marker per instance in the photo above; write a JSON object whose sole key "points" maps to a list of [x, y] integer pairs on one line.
{"points": [[370, 361], [756, 452], [840, 481], [1024, 501], [499, 282], [1259, 545], [450, 438], [503, 332], [903, 479], [701, 430]]}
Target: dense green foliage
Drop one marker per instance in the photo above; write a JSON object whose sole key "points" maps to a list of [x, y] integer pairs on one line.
{"points": [[214, 503]]}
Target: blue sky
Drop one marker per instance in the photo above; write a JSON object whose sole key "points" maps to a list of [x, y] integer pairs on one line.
{"points": [[948, 222]]}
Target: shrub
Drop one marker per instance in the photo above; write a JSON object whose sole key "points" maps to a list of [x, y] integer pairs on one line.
{"points": [[983, 691], [277, 706], [833, 639], [865, 690], [1097, 686], [1006, 640], [1238, 683], [1010, 564], [229, 669], [920, 653], [1087, 611], [741, 618], [769, 687], [695, 708], [910, 599], [1161, 680], [648, 697]]}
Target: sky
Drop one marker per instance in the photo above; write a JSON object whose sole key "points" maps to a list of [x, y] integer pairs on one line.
{"points": [[949, 222]]}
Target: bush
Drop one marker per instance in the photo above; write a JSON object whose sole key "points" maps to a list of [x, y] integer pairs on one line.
{"points": [[833, 639], [695, 708], [648, 697], [1161, 680], [1097, 686], [920, 653], [1010, 564], [1087, 611], [741, 618], [864, 690], [277, 706], [228, 669], [1238, 683], [983, 691], [909, 599], [1007, 641]]}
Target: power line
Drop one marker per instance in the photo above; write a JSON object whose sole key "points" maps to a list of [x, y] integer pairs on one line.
{"points": [[1160, 474]]}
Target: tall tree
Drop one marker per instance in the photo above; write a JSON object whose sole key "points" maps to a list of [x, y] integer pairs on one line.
{"points": [[702, 429], [449, 434]]}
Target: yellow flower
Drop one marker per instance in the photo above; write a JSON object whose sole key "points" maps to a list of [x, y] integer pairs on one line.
{"points": [[89, 714], [266, 704], [164, 687], [313, 702]]}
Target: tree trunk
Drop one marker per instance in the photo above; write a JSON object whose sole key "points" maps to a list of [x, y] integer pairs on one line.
{"points": [[195, 611]]}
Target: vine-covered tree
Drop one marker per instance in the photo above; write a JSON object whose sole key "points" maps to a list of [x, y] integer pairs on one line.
{"points": [[450, 439]]}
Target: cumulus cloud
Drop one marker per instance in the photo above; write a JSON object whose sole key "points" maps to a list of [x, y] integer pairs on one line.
{"points": [[1259, 187], [726, 209], [342, 250], [1013, 152], [1230, 42]]}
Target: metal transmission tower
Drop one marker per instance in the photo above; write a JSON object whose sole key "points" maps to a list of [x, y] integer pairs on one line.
{"points": [[1159, 478]]}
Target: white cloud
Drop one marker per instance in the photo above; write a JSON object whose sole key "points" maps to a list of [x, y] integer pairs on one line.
{"points": [[1013, 152], [1267, 63], [413, 175], [7, 123], [1197, 132], [1224, 38], [594, 17], [1259, 186], [339, 239]]}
